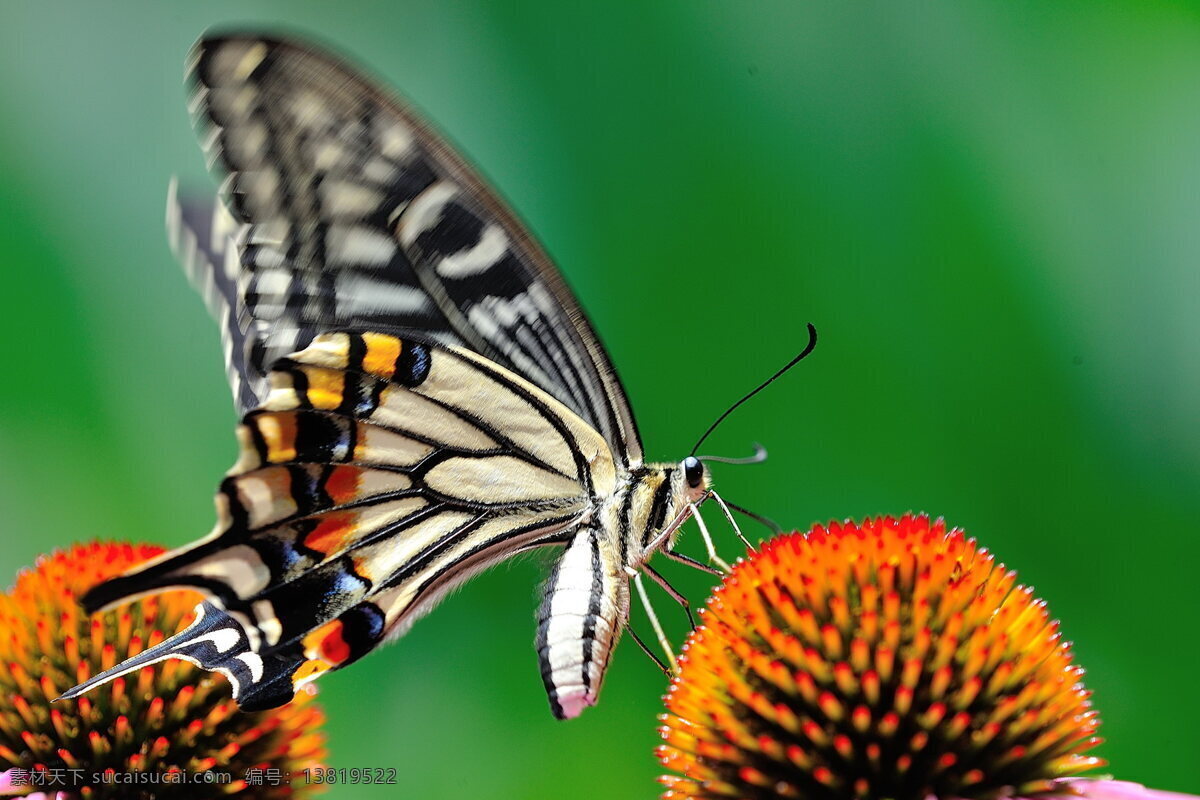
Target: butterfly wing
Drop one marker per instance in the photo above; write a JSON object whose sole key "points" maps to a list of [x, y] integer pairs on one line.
{"points": [[378, 473], [202, 235], [354, 213]]}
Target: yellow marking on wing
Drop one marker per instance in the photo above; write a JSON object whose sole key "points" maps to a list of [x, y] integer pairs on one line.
{"points": [[279, 433], [249, 62], [382, 352], [326, 388], [501, 479]]}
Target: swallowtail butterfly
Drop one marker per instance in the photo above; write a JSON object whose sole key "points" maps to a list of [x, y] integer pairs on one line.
{"points": [[422, 396]]}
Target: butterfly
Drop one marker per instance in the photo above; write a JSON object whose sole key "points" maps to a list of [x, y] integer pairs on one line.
{"points": [[421, 395]]}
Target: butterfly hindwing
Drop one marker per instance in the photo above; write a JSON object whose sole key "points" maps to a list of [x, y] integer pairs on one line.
{"points": [[357, 215], [377, 474]]}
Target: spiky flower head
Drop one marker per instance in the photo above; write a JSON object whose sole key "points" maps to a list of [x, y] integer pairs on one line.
{"points": [[168, 719], [892, 659]]}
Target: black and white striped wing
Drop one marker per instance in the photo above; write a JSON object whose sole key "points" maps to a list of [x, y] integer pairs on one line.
{"points": [[203, 236], [354, 214], [378, 473]]}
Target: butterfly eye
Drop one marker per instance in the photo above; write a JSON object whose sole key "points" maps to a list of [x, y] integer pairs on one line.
{"points": [[693, 470]]}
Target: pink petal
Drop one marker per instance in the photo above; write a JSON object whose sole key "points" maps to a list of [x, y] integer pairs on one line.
{"points": [[1108, 789], [8, 789]]}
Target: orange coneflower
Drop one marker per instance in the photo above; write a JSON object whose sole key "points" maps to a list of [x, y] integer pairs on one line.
{"points": [[893, 659], [170, 730]]}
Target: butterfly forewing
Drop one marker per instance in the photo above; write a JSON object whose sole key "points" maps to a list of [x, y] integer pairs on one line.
{"points": [[356, 214]]}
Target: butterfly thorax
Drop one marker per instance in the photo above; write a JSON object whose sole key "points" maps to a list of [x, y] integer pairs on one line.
{"points": [[646, 502]]}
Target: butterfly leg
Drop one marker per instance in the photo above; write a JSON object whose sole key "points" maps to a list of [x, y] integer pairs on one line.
{"points": [[586, 601], [654, 623], [646, 649], [671, 590], [708, 542], [675, 555]]}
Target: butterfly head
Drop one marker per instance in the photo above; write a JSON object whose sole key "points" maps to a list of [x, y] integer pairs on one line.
{"points": [[696, 478], [694, 482], [692, 486]]}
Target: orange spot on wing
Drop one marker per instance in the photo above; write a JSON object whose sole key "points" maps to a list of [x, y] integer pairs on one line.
{"points": [[331, 532], [342, 485], [382, 352], [327, 644]]}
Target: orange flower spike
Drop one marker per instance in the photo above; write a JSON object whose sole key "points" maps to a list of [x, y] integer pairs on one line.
{"points": [[889, 659], [49, 645]]}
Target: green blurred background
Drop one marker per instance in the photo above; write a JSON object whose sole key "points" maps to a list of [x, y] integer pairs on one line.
{"points": [[990, 211]]}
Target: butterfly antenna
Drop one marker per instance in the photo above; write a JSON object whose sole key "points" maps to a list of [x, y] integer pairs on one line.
{"points": [[812, 342], [760, 455]]}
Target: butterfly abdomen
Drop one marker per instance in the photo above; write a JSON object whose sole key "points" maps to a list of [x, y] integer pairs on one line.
{"points": [[587, 597], [585, 604]]}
